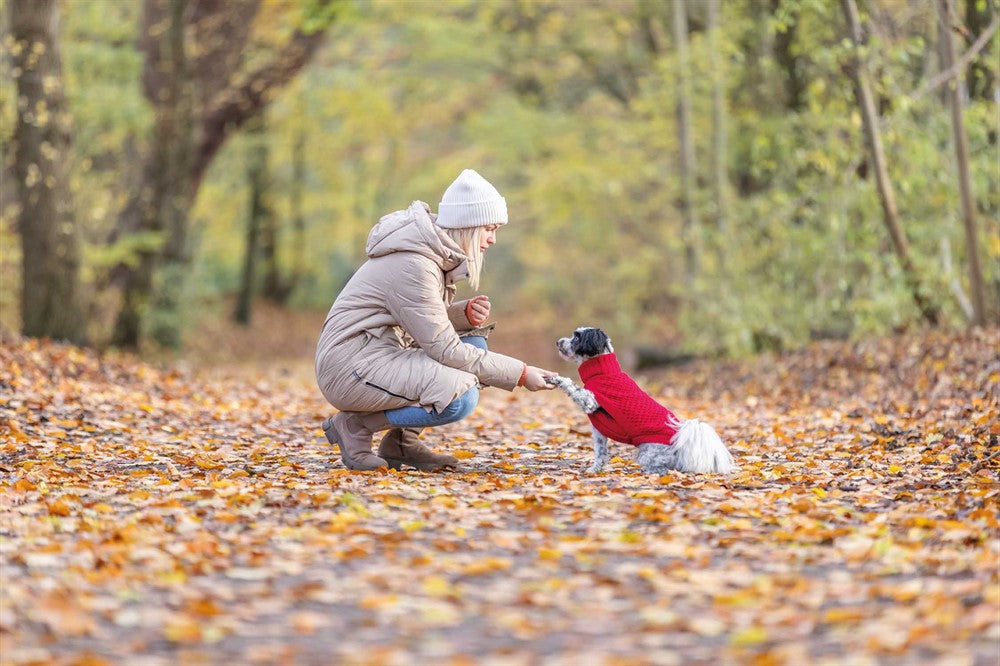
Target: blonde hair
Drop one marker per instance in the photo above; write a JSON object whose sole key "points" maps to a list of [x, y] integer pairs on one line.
{"points": [[467, 238]]}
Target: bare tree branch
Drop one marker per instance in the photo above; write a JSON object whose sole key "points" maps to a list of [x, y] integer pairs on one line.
{"points": [[961, 63], [235, 105]]}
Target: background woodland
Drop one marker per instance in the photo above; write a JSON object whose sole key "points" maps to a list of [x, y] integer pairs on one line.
{"points": [[720, 177]]}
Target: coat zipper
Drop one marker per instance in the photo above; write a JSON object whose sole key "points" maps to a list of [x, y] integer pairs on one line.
{"points": [[385, 390]]}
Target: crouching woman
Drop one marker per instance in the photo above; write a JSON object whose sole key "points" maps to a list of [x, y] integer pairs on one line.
{"points": [[397, 352]]}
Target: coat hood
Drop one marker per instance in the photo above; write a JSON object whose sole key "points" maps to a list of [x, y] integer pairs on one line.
{"points": [[413, 230]]}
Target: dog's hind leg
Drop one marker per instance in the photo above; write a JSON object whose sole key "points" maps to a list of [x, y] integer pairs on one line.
{"points": [[656, 458], [601, 454]]}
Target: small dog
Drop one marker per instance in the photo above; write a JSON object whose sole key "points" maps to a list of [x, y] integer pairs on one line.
{"points": [[618, 409]]}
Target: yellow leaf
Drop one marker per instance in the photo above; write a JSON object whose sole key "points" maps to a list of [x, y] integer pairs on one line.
{"points": [[549, 553], [182, 629], [487, 565], [839, 615], [436, 586], [749, 636], [894, 469], [205, 463], [462, 454]]}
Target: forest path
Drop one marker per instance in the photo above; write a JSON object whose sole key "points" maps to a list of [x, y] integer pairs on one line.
{"points": [[160, 515]]}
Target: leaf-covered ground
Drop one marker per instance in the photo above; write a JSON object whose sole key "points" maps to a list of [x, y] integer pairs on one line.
{"points": [[159, 515]]}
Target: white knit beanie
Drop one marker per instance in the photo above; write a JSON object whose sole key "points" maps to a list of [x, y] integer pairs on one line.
{"points": [[471, 202]]}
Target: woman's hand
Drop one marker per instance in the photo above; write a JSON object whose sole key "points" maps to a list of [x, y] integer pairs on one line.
{"points": [[477, 311], [534, 379]]}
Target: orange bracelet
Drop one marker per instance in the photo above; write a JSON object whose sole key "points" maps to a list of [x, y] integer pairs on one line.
{"points": [[524, 375]]}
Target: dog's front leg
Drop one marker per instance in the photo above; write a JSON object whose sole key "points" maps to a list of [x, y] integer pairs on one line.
{"points": [[601, 455], [584, 399]]}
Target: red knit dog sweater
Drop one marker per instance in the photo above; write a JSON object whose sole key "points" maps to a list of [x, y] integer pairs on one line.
{"points": [[627, 414]]}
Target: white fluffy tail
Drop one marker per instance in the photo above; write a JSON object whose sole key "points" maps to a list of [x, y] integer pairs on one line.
{"points": [[697, 449]]}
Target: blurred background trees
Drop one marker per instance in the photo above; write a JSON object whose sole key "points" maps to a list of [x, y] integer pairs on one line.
{"points": [[708, 174]]}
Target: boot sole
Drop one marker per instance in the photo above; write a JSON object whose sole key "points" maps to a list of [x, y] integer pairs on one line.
{"points": [[397, 463]]}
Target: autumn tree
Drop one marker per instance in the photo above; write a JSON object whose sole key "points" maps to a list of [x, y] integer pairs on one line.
{"points": [[720, 141], [981, 20], [685, 137], [887, 197], [259, 218], [961, 140], [50, 287], [194, 77]]}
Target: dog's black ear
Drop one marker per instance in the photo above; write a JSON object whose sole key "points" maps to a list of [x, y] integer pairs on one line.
{"points": [[592, 341]]}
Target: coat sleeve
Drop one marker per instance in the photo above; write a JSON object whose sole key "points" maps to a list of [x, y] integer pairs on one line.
{"points": [[456, 313], [417, 305]]}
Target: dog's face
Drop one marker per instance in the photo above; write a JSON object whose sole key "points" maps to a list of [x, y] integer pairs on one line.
{"points": [[587, 342]]}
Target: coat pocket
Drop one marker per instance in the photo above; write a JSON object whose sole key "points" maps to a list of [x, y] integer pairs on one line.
{"points": [[357, 375]]}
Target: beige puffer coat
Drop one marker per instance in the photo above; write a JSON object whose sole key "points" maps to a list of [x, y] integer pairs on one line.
{"points": [[391, 337]]}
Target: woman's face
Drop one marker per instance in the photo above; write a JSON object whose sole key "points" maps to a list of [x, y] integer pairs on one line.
{"points": [[487, 236]]}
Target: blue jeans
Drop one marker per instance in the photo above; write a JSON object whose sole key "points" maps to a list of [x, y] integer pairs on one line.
{"points": [[416, 416]]}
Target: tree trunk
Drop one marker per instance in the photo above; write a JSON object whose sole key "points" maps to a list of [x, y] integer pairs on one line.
{"points": [[50, 289], [982, 74], [198, 106], [295, 206], [257, 180], [788, 60], [976, 285], [274, 287], [720, 184], [165, 196], [168, 288], [686, 158], [863, 94]]}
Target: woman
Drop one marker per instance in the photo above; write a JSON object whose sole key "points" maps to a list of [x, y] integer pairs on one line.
{"points": [[397, 352]]}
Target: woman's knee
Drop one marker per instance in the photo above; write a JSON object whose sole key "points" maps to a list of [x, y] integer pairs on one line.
{"points": [[462, 406], [476, 341]]}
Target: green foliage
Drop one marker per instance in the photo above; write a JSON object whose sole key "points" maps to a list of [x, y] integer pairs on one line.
{"points": [[124, 251], [569, 108]]}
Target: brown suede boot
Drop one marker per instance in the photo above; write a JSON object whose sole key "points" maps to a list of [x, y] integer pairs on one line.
{"points": [[352, 433], [401, 446]]}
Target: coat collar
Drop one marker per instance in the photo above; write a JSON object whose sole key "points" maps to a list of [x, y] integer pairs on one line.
{"points": [[605, 364]]}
